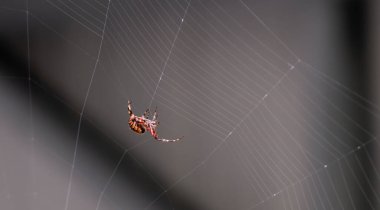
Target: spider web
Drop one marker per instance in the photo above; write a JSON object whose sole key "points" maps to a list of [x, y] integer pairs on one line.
{"points": [[263, 128]]}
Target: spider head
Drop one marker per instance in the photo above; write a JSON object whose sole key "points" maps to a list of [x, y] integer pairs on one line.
{"points": [[151, 123]]}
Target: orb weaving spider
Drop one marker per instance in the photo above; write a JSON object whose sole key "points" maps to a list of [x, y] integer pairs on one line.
{"points": [[140, 124]]}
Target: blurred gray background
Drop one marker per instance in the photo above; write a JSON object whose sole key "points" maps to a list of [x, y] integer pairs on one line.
{"points": [[278, 103]]}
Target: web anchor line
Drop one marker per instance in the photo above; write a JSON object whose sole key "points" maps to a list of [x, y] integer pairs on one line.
{"points": [[270, 30], [216, 148], [324, 167], [169, 54], [82, 111], [110, 179], [30, 95], [313, 69]]}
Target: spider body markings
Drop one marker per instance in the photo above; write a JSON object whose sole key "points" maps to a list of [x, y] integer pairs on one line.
{"points": [[140, 124], [136, 127]]}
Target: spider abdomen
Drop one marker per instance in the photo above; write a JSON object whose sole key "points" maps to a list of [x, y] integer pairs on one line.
{"points": [[136, 127]]}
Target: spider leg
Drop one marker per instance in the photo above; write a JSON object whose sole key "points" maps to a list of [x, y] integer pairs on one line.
{"points": [[153, 132], [169, 140], [146, 113], [130, 109], [155, 114]]}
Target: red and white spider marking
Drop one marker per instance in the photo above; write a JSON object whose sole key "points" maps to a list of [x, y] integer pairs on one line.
{"points": [[140, 124]]}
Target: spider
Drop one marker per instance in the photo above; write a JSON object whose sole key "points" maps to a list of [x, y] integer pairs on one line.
{"points": [[140, 124]]}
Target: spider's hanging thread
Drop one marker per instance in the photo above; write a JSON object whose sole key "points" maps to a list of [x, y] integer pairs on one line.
{"points": [[143, 123]]}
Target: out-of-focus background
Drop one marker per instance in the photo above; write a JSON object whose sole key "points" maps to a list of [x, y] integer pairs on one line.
{"points": [[278, 103]]}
